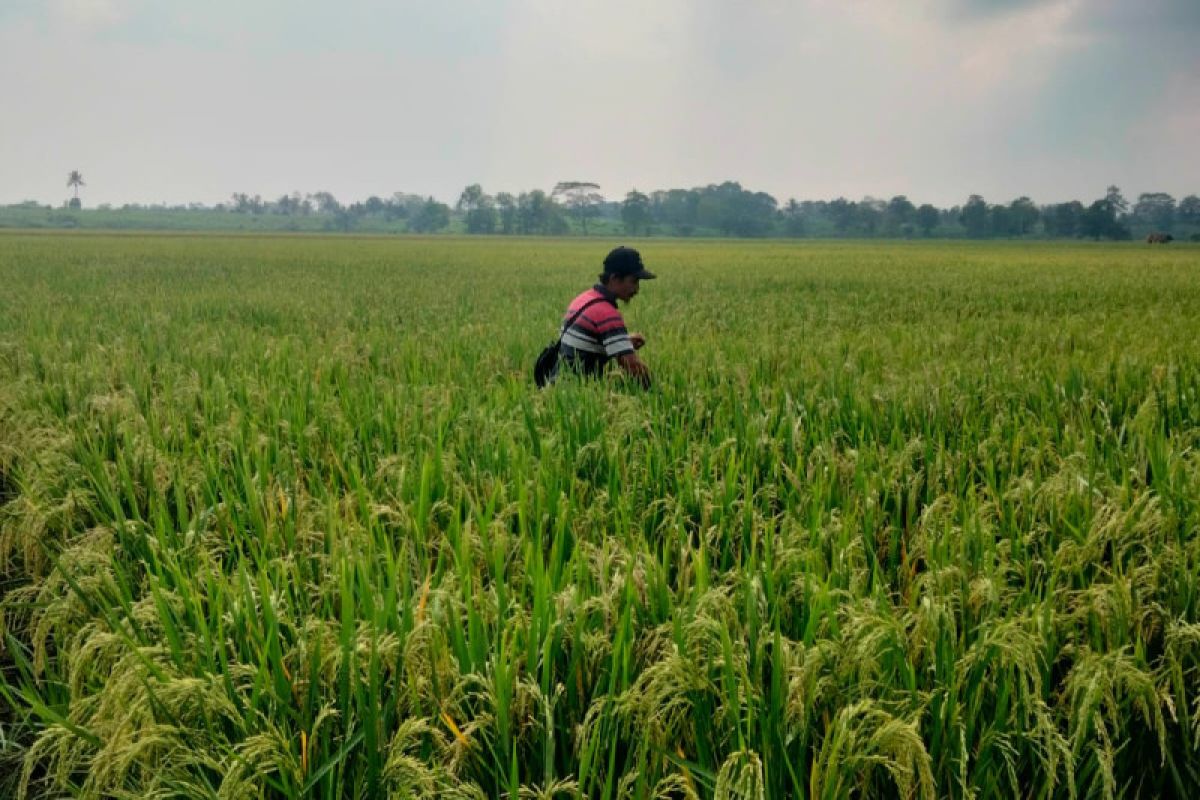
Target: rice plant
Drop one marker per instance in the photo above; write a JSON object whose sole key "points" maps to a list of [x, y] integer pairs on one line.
{"points": [[284, 517]]}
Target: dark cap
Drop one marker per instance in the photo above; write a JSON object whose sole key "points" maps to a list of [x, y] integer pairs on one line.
{"points": [[627, 261]]}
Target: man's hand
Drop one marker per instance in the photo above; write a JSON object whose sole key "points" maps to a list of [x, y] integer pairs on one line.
{"points": [[634, 368], [639, 341]]}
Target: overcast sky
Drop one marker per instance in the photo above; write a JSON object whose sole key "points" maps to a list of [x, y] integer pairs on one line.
{"points": [[174, 101]]}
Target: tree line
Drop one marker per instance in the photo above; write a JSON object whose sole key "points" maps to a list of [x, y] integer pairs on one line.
{"points": [[725, 209], [728, 209]]}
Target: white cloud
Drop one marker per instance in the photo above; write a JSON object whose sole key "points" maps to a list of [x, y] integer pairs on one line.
{"points": [[587, 91], [1171, 125], [1018, 44], [89, 14], [808, 99]]}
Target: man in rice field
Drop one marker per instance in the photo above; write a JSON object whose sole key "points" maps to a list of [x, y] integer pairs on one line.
{"points": [[594, 331]]}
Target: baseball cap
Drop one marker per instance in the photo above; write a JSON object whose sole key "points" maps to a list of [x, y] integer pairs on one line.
{"points": [[627, 261]]}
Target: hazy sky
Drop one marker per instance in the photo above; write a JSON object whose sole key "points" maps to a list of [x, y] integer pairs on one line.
{"points": [[166, 100]]}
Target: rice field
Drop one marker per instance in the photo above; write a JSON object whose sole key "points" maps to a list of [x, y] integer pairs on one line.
{"points": [[284, 517]]}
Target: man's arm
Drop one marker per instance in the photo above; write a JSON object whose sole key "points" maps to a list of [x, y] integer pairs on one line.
{"points": [[635, 369]]}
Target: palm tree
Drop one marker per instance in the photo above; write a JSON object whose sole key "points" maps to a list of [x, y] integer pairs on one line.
{"points": [[75, 179]]}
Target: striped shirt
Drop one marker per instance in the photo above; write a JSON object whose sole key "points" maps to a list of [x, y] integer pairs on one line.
{"points": [[597, 335]]}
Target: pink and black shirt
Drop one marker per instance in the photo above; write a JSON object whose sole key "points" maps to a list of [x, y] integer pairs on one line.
{"points": [[597, 335]]}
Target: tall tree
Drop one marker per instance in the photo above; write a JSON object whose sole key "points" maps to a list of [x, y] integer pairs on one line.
{"points": [[1156, 209], [581, 198], [1001, 220], [75, 180], [431, 217], [900, 211], [735, 211], [635, 213], [793, 219], [402, 205], [344, 219], [374, 205], [1117, 200], [927, 218], [1189, 210], [479, 208], [842, 212], [538, 212], [1100, 221], [1063, 219], [470, 197], [678, 208], [527, 212], [326, 203], [245, 204], [1023, 216], [871, 211], [508, 212], [974, 217]]}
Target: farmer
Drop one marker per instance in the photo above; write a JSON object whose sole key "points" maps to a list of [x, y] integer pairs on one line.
{"points": [[598, 335]]}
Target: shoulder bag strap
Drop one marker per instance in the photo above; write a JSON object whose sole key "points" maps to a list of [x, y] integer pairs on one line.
{"points": [[575, 317]]}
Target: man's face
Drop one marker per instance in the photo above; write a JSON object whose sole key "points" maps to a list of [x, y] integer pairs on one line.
{"points": [[625, 287]]}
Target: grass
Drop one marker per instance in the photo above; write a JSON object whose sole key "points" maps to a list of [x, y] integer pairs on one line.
{"points": [[285, 517]]}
